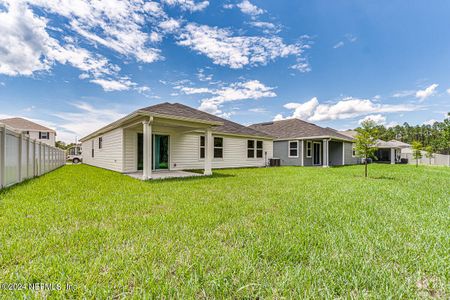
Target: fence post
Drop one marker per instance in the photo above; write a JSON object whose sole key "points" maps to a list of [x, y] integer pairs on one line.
{"points": [[2, 154], [20, 157]]}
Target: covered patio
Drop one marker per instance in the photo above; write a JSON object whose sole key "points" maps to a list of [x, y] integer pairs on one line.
{"points": [[150, 143]]}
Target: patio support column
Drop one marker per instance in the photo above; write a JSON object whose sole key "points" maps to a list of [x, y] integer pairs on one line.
{"points": [[208, 151], [325, 153], [302, 153], [147, 141], [392, 156]]}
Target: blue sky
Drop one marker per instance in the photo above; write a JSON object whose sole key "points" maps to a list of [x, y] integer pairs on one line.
{"points": [[76, 66]]}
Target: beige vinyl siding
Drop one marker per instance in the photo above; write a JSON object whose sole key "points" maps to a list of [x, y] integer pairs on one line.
{"points": [[50, 141], [130, 148], [110, 156], [185, 153]]}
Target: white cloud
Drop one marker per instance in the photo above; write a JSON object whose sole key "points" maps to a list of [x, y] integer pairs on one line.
{"points": [[116, 24], [349, 37], [378, 119], [235, 51], [347, 108], [302, 65], [252, 89], [429, 91], [83, 121], [303, 110], [189, 5], [259, 110], [27, 47], [338, 45], [261, 24], [405, 93], [278, 117], [204, 77], [248, 8], [23, 41], [114, 85], [170, 25], [448, 91]]}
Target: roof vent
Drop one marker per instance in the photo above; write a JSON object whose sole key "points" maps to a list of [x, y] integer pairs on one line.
{"points": [[267, 123]]}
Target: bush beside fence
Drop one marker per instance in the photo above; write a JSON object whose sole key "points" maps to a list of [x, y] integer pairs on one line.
{"points": [[22, 157]]}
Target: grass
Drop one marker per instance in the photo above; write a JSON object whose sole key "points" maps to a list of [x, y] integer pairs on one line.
{"points": [[247, 233]]}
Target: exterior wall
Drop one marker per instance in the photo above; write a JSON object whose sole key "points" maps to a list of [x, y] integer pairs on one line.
{"points": [[348, 157], [308, 161], [281, 151], [184, 151], [110, 156], [51, 141], [335, 153]]}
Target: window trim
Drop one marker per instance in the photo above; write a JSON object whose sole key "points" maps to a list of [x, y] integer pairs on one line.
{"points": [[353, 150], [200, 147], [289, 149], [262, 149], [214, 147], [100, 142], [251, 149], [93, 148], [308, 147], [42, 133]]}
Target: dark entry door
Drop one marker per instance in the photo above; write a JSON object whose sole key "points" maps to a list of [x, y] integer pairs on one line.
{"points": [[317, 153], [161, 151], [140, 153]]}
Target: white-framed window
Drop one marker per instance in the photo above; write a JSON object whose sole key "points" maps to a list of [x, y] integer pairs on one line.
{"points": [[250, 148], [100, 142], [202, 146], [353, 150], [44, 135], [259, 149], [293, 149], [309, 149], [218, 147]]}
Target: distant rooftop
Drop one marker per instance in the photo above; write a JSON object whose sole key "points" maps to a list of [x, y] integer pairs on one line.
{"points": [[296, 128], [24, 125]]}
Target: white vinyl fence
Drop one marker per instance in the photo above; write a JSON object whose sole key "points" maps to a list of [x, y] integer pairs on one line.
{"points": [[436, 160], [22, 158]]}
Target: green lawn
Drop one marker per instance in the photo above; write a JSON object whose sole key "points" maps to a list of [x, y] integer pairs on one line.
{"points": [[269, 233]]}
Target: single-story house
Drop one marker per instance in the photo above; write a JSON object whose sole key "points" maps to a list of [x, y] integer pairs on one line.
{"points": [[33, 130], [175, 137], [390, 152], [300, 143]]}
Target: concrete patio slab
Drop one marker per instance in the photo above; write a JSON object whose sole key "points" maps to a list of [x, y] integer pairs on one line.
{"points": [[164, 174]]}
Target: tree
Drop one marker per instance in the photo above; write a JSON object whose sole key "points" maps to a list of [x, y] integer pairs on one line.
{"points": [[429, 153], [366, 141], [60, 145], [417, 151]]}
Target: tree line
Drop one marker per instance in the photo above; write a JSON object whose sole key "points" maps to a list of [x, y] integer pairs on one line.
{"points": [[436, 136]]}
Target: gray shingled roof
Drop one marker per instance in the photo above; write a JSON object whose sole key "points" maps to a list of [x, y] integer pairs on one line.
{"points": [[180, 110], [296, 128], [24, 124], [391, 144]]}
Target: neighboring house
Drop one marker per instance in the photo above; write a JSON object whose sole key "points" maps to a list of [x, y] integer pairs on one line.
{"points": [[299, 143], [175, 137], [390, 152], [35, 131], [387, 152]]}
